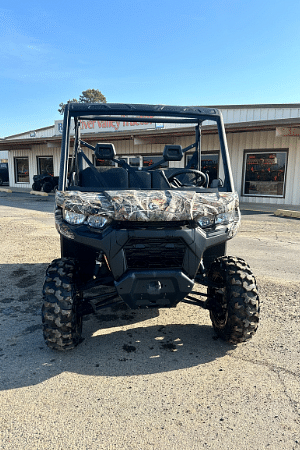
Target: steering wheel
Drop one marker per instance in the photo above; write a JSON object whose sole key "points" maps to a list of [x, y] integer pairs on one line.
{"points": [[200, 178]]}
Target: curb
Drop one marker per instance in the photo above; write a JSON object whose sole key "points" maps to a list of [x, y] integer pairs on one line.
{"points": [[287, 213], [43, 194]]}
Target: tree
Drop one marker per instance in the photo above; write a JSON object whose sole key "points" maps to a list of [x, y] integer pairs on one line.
{"points": [[88, 96], [63, 105], [92, 96]]}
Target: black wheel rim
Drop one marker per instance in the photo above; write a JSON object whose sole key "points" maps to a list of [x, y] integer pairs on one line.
{"points": [[219, 312]]}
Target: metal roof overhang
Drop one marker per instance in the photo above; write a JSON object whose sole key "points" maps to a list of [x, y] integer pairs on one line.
{"points": [[26, 144], [262, 125], [241, 127]]}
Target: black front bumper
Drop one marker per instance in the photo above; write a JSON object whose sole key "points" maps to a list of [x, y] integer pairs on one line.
{"points": [[141, 276], [145, 289]]}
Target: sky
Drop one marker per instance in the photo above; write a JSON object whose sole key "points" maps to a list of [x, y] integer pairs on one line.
{"points": [[176, 52]]}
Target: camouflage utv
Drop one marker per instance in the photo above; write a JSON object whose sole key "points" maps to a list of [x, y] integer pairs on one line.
{"points": [[145, 236]]}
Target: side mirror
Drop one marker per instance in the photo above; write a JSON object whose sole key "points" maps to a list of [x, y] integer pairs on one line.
{"points": [[172, 153], [105, 151]]}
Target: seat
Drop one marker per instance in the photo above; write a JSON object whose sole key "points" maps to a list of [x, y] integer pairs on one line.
{"points": [[139, 179], [114, 178], [159, 180]]}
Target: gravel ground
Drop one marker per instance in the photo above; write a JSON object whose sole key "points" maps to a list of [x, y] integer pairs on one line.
{"points": [[149, 379]]}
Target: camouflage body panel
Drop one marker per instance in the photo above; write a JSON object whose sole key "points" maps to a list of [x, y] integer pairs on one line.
{"points": [[149, 206]]}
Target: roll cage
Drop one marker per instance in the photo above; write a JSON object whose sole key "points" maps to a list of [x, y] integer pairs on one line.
{"points": [[195, 115]]}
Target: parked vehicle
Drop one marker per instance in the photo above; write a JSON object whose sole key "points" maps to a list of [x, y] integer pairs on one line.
{"points": [[45, 182], [145, 236]]}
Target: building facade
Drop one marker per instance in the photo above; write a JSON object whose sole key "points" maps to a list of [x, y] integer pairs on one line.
{"points": [[263, 142]]}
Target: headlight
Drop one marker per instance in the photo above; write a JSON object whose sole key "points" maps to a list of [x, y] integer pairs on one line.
{"points": [[225, 218], [97, 221], [78, 219], [206, 221], [73, 218]]}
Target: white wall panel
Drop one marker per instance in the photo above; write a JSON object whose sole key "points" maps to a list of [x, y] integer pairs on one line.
{"points": [[236, 115], [45, 132], [38, 150], [238, 142]]}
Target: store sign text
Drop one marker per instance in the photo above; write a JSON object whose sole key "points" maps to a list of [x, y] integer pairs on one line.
{"points": [[98, 126]]}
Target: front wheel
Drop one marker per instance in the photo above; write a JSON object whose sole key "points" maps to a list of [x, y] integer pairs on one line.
{"points": [[234, 309], [47, 187], [36, 186], [62, 325]]}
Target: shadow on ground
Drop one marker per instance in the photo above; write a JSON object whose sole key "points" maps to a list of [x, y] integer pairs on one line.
{"points": [[25, 200], [249, 212], [117, 342]]}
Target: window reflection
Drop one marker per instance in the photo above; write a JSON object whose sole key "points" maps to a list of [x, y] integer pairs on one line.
{"points": [[22, 170], [149, 160], [45, 165], [209, 164], [265, 173]]}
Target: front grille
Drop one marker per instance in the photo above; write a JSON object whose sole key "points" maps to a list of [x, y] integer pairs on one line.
{"points": [[161, 253], [128, 225]]}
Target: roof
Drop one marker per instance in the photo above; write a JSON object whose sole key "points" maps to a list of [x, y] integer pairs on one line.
{"points": [[237, 118], [257, 106], [39, 132]]}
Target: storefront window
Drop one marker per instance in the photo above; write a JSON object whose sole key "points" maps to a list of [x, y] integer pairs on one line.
{"points": [[264, 173], [134, 161], [45, 165], [209, 163], [103, 163], [22, 170], [149, 160]]}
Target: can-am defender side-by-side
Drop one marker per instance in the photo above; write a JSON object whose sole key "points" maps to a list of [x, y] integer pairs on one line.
{"points": [[145, 235]]}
